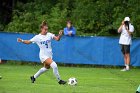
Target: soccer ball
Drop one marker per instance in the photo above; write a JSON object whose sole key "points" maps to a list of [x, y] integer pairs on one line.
{"points": [[72, 81]]}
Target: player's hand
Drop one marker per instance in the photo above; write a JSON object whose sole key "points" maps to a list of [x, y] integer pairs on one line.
{"points": [[19, 40], [61, 32]]}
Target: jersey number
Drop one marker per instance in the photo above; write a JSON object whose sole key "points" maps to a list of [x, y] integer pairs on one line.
{"points": [[46, 45]]}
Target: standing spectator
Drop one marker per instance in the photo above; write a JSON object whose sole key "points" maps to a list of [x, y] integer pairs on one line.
{"points": [[126, 30], [69, 30]]}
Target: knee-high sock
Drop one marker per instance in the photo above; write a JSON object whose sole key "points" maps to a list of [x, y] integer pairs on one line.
{"points": [[55, 70], [40, 71]]}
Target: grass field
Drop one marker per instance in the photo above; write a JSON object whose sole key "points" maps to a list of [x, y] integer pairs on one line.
{"points": [[15, 79]]}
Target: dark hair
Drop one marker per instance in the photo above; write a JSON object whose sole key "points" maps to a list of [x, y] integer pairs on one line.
{"points": [[126, 24], [69, 22], [44, 23]]}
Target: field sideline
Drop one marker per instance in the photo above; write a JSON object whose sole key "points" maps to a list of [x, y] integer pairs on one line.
{"points": [[15, 79]]}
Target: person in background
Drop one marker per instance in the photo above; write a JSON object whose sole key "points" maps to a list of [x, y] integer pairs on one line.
{"points": [[69, 30], [126, 29]]}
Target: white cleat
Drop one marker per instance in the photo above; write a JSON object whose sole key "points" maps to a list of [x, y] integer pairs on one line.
{"points": [[125, 69]]}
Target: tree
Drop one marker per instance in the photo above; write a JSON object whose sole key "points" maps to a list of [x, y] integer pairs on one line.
{"points": [[90, 17]]}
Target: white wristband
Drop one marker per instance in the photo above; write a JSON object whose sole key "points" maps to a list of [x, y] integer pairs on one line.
{"points": [[22, 40]]}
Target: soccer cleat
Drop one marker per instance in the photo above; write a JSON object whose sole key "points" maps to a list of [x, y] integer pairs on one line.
{"points": [[125, 69], [62, 82], [32, 79]]}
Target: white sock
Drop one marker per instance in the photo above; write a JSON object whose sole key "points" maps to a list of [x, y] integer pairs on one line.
{"points": [[127, 66], [55, 70], [40, 71]]}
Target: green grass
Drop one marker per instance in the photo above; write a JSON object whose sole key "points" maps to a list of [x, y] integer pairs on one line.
{"points": [[15, 79]]}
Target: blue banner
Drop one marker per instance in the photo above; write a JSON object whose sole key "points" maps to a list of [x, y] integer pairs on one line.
{"points": [[73, 50]]}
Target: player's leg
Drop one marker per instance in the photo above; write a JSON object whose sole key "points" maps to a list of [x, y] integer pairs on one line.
{"points": [[53, 65], [39, 72]]}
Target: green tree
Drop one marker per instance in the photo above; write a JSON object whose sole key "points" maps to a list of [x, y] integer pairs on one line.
{"points": [[90, 17]]}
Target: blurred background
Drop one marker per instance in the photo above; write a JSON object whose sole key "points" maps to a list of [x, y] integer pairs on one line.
{"points": [[90, 17]]}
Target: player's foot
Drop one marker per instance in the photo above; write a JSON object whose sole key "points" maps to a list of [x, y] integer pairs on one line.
{"points": [[32, 79], [137, 92], [125, 69], [62, 82]]}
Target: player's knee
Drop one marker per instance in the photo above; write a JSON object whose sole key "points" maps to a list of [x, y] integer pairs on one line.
{"points": [[43, 69], [53, 65]]}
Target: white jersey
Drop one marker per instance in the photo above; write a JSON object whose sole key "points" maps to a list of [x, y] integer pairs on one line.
{"points": [[125, 38], [44, 43]]}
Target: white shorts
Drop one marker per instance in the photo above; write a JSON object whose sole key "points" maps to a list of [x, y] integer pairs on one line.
{"points": [[44, 57]]}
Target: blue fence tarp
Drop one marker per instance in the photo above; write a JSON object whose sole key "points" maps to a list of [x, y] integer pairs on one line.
{"points": [[75, 50]]}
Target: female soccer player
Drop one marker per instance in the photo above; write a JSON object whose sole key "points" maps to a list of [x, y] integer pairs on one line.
{"points": [[126, 30], [43, 40]]}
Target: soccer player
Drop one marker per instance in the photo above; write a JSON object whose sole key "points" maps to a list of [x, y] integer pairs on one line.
{"points": [[43, 40], [126, 29]]}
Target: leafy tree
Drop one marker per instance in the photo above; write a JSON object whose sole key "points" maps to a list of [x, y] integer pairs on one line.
{"points": [[90, 17]]}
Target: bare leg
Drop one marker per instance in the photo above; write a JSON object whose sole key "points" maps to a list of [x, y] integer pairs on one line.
{"points": [[127, 60]]}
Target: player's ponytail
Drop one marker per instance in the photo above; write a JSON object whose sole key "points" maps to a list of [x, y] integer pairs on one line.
{"points": [[44, 23]]}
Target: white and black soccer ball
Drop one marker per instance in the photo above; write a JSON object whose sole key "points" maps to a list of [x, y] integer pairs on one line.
{"points": [[72, 81]]}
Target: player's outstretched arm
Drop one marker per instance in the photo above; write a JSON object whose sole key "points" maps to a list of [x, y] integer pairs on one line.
{"points": [[24, 41], [57, 38]]}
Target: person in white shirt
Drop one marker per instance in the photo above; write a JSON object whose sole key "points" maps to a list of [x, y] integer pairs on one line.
{"points": [[126, 29], [43, 40]]}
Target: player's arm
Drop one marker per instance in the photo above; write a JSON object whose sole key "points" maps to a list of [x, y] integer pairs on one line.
{"points": [[57, 38], [120, 28], [24, 41]]}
